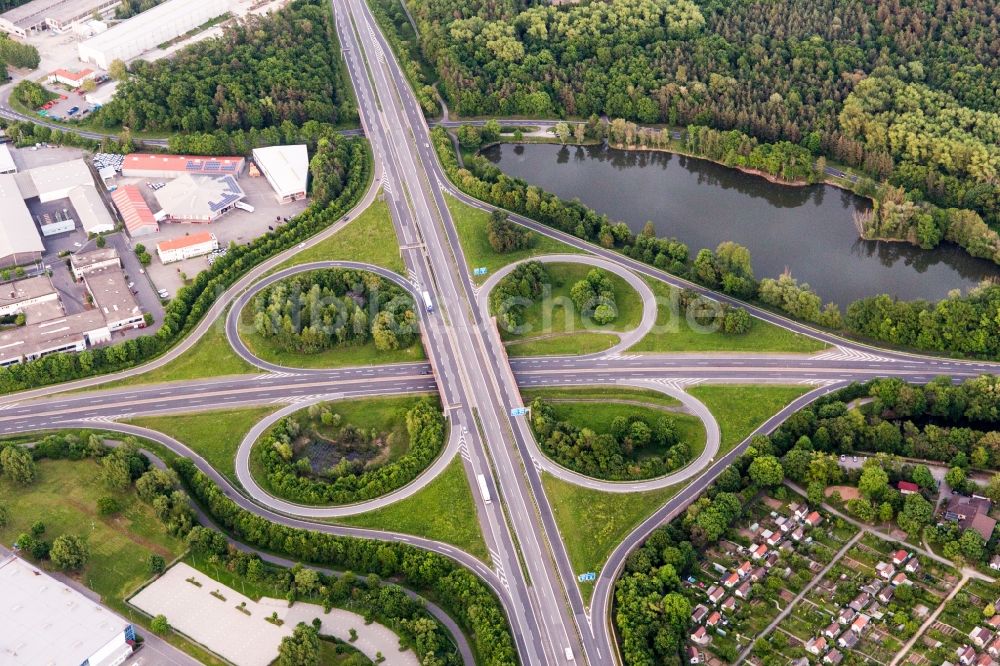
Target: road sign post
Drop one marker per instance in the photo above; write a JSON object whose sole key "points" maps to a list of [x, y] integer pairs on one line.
{"points": [[480, 271], [518, 411]]}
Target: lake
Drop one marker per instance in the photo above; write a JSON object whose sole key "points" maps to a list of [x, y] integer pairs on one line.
{"points": [[808, 230]]}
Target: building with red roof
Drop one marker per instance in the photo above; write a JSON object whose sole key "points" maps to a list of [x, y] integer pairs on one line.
{"points": [[150, 165], [139, 219], [907, 487]]}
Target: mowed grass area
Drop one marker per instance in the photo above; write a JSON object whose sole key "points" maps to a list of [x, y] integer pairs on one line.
{"points": [[674, 334], [592, 522], [210, 356], [64, 498], [336, 357], [215, 436], [471, 225], [596, 412], [443, 510], [571, 343], [741, 408], [649, 396], [557, 327], [369, 238]]}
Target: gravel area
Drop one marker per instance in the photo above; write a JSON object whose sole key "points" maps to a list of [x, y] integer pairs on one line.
{"points": [[250, 640]]}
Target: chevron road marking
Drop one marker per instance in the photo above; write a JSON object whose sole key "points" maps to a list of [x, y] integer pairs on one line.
{"points": [[839, 353]]}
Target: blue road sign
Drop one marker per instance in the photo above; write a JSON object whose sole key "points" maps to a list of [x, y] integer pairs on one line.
{"points": [[587, 577], [480, 271], [519, 411]]}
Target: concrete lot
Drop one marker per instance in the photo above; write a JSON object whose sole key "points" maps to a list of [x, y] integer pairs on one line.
{"points": [[236, 226], [249, 640], [26, 158], [60, 110]]}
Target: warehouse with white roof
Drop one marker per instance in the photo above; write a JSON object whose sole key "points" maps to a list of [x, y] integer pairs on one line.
{"points": [[147, 30], [19, 239], [47, 622], [286, 169]]}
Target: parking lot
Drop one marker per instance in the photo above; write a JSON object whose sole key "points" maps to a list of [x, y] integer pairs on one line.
{"points": [[69, 106], [237, 226]]}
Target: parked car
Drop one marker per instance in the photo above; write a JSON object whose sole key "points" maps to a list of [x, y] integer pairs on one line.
{"points": [[72, 110]]}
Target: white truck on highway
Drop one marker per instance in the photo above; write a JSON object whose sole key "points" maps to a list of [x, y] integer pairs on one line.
{"points": [[483, 488], [427, 301]]}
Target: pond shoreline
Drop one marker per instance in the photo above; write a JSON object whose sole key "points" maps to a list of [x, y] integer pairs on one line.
{"points": [[702, 202]]}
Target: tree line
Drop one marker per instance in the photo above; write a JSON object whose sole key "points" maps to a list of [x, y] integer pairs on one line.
{"points": [[612, 455], [263, 71], [466, 598], [287, 478], [193, 300], [318, 310], [17, 54]]}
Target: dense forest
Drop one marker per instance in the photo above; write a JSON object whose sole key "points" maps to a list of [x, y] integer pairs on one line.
{"points": [[347, 180], [292, 476], [314, 311], [262, 72], [905, 89], [939, 421]]}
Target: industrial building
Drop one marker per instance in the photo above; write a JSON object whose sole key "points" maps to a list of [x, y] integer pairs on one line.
{"points": [[286, 169], [139, 219], [147, 165], [70, 180], [152, 27], [189, 198], [55, 15], [6, 160], [47, 622], [16, 297], [19, 239], [113, 298], [70, 78], [82, 263], [185, 247], [49, 330]]}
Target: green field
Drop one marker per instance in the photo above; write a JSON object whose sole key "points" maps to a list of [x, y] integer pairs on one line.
{"points": [[596, 412], [674, 334], [739, 409], [210, 356], [336, 357], [215, 436], [64, 498], [368, 238], [649, 396], [443, 511], [592, 523], [556, 327], [471, 225], [571, 343]]}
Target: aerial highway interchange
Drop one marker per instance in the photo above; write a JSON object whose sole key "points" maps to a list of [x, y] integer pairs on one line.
{"points": [[478, 385]]}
